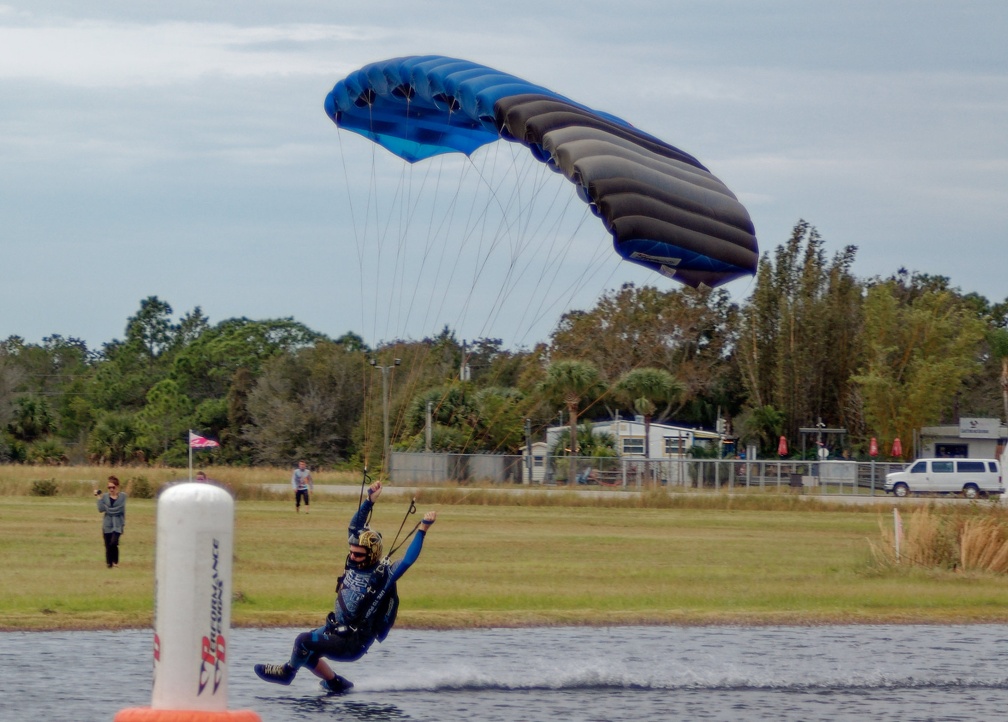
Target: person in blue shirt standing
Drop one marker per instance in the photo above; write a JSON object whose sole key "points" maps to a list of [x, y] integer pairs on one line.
{"points": [[302, 482], [366, 604]]}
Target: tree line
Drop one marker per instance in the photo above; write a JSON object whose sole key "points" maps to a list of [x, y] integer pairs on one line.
{"points": [[879, 357]]}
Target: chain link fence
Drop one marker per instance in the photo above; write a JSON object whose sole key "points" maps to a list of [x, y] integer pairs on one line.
{"points": [[825, 477]]}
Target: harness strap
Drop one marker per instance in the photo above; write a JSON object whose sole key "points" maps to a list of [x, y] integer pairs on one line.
{"points": [[369, 601]]}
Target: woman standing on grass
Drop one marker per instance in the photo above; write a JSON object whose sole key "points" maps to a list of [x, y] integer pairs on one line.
{"points": [[113, 505]]}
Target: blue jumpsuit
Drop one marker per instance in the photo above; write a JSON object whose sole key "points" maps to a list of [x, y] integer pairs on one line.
{"points": [[338, 639]]}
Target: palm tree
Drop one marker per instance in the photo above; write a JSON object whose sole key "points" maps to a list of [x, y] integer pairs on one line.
{"points": [[762, 424], [114, 439], [569, 383], [645, 388], [998, 339], [32, 419]]}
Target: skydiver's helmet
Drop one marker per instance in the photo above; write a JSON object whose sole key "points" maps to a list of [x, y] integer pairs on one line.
{"points": [[371, 541]]}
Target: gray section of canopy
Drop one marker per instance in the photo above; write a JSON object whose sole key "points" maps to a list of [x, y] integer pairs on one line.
{"points": [[642, 187]]}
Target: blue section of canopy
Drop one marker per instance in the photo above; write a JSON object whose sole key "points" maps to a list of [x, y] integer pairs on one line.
{"points": [[420, 106]]}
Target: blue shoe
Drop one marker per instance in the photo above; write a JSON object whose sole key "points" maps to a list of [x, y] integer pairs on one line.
{"points": [[276, 673], [336, 685]]}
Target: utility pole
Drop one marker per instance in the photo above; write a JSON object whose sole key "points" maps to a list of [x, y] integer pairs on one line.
{"points": [[464, 371], [528, 449], [385, 403], [428, 445]]}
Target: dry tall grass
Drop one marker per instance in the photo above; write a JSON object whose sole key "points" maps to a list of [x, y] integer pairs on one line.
{"points": [[970, 540], [983, 546], [259, 483], [244, 482]]}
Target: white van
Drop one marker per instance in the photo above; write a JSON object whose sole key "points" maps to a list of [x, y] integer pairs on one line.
{"points": [[971, 477]]}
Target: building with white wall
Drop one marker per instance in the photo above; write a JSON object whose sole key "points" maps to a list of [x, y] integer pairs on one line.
{"points": [[973, 438], [667, 441]]}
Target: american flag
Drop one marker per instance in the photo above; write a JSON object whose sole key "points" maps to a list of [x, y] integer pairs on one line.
{"points": [[201, 442]]}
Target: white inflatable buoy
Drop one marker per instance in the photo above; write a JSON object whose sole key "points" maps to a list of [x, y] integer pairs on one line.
{"points": [[192, 612]]}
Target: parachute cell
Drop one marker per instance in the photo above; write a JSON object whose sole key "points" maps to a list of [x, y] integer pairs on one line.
{"points": [[664, 209]]}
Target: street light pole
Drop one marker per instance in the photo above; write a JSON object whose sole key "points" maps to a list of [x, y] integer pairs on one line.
{"points": [[385, 403]]}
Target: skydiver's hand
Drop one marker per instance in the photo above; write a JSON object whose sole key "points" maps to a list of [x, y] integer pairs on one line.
{"points": [[374, 491], [428, 519]]}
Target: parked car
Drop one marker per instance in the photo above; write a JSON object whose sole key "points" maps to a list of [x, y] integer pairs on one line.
{"points": [[970, 477]]}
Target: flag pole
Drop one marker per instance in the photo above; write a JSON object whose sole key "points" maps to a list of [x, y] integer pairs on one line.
{"points": [[189, 444]]}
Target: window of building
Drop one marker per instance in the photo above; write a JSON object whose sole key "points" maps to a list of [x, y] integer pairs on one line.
{"points": [[633, 445], [675, 445], [958, 451]]}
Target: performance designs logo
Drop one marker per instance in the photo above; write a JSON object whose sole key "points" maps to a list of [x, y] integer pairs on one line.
{"points": [[213, 654], [657, 260]]}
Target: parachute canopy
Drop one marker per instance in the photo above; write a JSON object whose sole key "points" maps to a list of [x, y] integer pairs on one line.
{"points": [[664, 209]]}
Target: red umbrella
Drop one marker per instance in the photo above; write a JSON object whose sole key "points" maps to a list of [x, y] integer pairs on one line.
{"points": [[897, 447], [873, 447], [782, 447]]}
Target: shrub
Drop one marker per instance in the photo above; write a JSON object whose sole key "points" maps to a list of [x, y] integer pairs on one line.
{"points": [[47, 452], [45, 487], [13, 450], [141, 488]]}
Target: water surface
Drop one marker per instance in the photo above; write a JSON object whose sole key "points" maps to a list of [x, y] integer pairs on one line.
{"points": [[606, 674]]}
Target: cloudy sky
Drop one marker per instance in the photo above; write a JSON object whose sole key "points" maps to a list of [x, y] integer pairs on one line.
{"points": [[180, 149]]}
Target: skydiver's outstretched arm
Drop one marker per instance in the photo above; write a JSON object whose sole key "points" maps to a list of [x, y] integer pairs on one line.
{"points": [[359, 520], [413, 550]]}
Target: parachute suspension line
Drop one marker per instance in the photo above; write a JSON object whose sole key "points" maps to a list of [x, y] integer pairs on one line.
{"points": [[561, 248], [383, 284], [516, 227], [526, 232], [444, 227], [528, 220], [365, 482], [407, 298], [411, 510], [567, 247], [564, 296], [435, 230], [399, 218], [507, 228], [409, 197], [373, 229], [384, 222], [404, 214], [452, 261], [403, 286], [434, 177], [360, 240], [404, 210], [512, 226], [408, 212], [489, 241], [470, 226]]}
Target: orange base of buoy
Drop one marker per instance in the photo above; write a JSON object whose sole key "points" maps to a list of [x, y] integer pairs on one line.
{"points": [[146, 714]]}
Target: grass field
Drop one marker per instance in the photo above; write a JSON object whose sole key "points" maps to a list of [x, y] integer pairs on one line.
{"points": [[493, 560]]}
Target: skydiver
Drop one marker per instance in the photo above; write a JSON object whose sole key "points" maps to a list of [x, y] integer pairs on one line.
{"points": [[365, 607]]}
